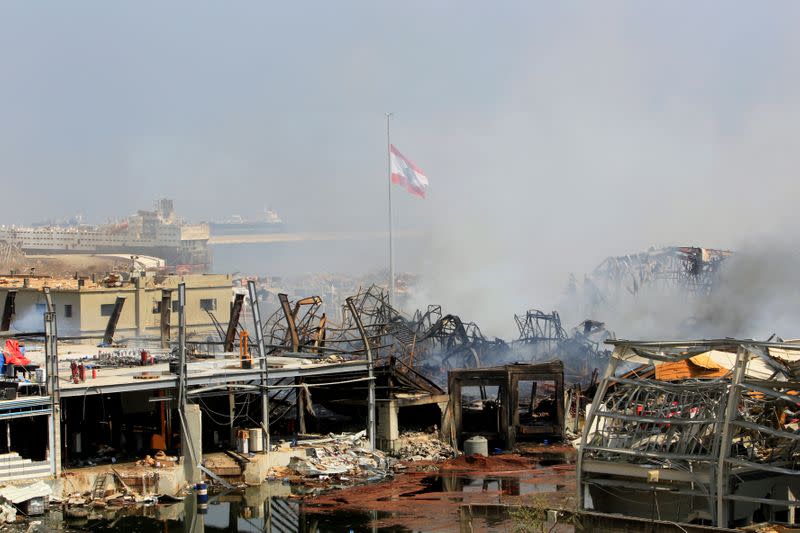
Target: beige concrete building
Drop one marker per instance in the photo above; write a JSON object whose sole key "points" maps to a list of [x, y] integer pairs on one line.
{"points": [[83, 306]]}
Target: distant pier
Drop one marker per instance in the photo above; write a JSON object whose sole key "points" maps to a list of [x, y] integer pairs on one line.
{"points": [[267, 238]]}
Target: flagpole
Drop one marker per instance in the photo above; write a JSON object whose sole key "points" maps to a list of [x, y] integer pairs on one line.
{"points": [[391, 220]]}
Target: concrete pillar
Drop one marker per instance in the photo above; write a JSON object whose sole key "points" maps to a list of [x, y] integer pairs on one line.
{"points": [[143, 308], [54, 441], [192, 442], [300, 406], [387, 427], [445, 421]]}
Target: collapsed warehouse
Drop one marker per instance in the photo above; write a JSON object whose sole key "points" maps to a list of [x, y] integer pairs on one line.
{"points": [[651, 292], [430, 342], [67, 404], [124, 399], [434, 343], [413, 358], [689, 269], [301, 371], [701, 432]]}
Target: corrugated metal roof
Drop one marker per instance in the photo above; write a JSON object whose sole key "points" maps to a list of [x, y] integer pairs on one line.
{"points": [[28, 492]]}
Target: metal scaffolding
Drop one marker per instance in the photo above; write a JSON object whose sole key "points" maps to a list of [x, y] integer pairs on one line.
{"points": [[704, 431]]}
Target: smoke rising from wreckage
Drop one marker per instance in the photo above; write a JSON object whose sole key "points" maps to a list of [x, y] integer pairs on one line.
{"points": [[661, 292], [535, 385]]}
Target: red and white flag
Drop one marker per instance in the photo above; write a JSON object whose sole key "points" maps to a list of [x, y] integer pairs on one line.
{"points": [[407, 174]]}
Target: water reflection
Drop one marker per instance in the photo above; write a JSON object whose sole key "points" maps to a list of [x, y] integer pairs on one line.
{"points": [[274, 507], [268, 507], [469, 484]]}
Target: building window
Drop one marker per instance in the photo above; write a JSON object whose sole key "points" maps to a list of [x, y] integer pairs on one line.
{"points": [[106, 309], [68, 310], [156, 307], [208, 304], [175, 306]]}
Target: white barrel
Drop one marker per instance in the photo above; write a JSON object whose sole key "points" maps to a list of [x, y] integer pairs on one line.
{"points": [[476, 446], [41, 376], [256, 441]]}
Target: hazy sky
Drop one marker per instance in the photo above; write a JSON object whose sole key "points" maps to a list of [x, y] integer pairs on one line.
{"points": [[553, 133]]}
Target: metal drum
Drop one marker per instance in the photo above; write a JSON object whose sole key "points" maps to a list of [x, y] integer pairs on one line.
{"points": [[476, 446], [256, 440]]}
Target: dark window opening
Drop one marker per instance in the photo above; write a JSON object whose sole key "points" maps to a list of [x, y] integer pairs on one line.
{"points": [[106, 309], [105, 427], [424, 418], [27, 436], [537, 402], [482, 411], [68, 310], [208, 304]]}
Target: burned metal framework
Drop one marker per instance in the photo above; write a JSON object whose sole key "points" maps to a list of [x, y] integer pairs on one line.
{"points": [[688, 268], [429, 340], [702, 431], [539, 327]]}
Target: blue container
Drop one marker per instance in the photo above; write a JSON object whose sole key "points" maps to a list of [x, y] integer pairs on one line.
{"points": [[201, 489]]}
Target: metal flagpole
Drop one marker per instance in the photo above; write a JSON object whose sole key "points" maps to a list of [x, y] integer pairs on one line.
{"points": [[391, 221]]}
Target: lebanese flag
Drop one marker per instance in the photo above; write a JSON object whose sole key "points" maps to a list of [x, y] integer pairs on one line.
{"points": [[407, 174]]}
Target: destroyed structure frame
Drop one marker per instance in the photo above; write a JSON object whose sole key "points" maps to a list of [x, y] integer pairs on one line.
{"points": [[716, 444]]}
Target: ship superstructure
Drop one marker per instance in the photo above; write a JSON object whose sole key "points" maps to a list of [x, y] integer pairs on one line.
{"points": [[268, 222]]}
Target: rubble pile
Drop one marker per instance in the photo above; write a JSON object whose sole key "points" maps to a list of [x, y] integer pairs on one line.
{"points": [[344, 456], [417, 446], [160, 460], [8, 513]]}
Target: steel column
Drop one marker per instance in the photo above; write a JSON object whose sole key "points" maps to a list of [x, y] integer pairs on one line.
{"points": [[51, 366], [262, 358], [371, 387]]}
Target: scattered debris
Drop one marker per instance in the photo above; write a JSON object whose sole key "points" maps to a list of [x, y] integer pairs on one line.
{"points": [[31, 499], [340, 455], [160, 460], [8, 513], [418, 446]]}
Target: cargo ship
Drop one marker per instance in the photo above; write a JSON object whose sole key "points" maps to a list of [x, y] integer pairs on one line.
{"points": [[268, 222]]}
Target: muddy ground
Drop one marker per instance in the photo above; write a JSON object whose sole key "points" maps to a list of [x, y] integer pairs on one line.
{"points": [[427, 496]]}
